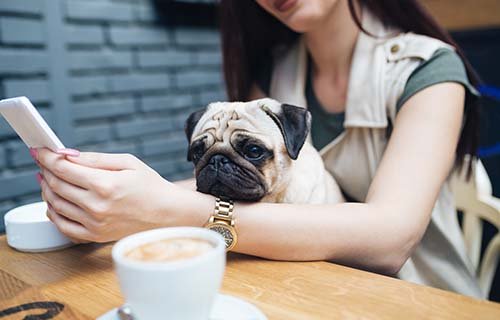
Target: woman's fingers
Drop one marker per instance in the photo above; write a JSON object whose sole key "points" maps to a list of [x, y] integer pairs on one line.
{"points": [[74, 240], [106, 161], [71, 229], [51, 184], [67, 209], [66, 170]]}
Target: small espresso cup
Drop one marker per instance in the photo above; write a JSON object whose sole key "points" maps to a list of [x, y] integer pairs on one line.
{"points": [[179, 289]]}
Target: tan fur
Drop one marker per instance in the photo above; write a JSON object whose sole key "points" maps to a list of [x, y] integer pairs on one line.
{"points": [[304, 180]]}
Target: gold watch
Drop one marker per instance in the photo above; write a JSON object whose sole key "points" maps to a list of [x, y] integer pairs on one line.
{"points": [[222, 221]]}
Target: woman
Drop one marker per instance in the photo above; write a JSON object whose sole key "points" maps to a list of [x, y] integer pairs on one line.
{"points": [[392, 112]]}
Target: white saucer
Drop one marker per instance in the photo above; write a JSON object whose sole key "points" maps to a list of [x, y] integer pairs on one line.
{"points": [[225, 308]]}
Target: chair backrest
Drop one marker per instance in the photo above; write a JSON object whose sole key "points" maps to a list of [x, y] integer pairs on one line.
{"points": [[474, 198]]}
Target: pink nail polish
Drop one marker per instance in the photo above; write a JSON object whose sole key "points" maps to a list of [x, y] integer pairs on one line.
{"points": [[68, 152], [39, 178], [34, 153]]}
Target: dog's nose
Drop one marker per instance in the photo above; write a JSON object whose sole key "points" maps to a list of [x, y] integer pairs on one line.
{"points": [[218, 161]]}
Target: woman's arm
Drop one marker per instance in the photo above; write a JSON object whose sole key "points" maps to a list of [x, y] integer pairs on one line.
{"points": [[377, 235], [381, 233], [189, 184]]}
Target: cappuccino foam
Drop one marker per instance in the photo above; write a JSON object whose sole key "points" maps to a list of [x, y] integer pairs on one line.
{"points": [[168, 250]]}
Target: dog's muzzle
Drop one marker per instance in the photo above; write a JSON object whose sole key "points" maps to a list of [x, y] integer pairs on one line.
{"points": [[223, 177]]}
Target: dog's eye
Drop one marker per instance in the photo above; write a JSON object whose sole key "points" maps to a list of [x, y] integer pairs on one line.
{"points": [[197, 154], [253, 152], [197, 150], [196, 157]]}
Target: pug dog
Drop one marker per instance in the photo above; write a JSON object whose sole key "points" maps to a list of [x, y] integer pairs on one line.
{"points": [[258, 151]]}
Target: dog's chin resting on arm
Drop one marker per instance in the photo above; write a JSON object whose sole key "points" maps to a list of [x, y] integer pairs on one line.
{"points": [[258, 151]]}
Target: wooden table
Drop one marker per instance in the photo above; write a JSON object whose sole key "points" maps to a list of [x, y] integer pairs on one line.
{"points": [[81, 282]]}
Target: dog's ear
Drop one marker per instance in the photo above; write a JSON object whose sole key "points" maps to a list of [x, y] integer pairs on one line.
{"points": [[189, 125], [191, 122], [294, 123], [295, 126]]}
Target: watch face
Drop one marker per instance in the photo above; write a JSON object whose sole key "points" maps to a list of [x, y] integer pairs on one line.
{"points": [[225, 231]]}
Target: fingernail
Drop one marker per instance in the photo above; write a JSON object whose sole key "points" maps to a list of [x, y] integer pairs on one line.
{"points": [[39, 178], [68, 152], [34, 153], [50, 207]]}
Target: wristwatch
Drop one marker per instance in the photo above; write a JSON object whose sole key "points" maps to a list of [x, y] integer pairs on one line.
{"points": [[222, 221]]}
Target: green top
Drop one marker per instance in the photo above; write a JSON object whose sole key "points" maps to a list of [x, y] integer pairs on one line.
{"points": [[444, 66]]}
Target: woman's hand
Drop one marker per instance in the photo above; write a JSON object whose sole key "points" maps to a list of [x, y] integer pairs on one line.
{"points": [[104, 197]]}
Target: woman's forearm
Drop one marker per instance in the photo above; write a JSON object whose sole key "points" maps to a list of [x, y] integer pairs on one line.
{"points": [[349, 233], [187, 183]]}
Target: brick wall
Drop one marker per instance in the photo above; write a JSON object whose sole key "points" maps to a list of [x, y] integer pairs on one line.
{"points": [[106, 78]]}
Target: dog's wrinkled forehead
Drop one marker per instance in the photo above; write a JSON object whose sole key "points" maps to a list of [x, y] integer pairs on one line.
{"points": [[221, 117]]}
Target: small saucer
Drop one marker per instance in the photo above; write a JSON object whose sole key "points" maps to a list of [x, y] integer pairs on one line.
{"points": [[225, 308]]}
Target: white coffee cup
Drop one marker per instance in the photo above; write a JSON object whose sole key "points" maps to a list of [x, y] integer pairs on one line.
{"points": [[181, 289]]}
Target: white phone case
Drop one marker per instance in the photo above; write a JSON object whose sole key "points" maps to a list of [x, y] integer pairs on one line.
{"points": [[29, 124]]}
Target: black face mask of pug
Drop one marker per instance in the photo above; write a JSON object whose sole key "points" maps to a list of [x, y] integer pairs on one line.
{"points": [[257, 151]]}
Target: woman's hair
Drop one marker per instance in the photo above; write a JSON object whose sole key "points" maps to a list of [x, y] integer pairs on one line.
{"points": [[250, 35]]}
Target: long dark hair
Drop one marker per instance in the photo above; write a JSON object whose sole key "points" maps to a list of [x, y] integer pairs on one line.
{"points": [[250, 35]]}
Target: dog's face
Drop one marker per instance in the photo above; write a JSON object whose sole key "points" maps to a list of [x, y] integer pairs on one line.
{"points": [[242, 150]]}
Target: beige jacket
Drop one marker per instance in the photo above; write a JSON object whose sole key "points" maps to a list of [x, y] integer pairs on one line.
{"points": [[380, 69]]}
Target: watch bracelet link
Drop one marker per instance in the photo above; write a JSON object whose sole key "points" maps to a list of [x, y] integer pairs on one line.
{"points": [[223, 211]]}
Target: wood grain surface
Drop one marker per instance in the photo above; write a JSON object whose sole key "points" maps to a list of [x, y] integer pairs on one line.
{"points": [[82, 280], [465, 14]]}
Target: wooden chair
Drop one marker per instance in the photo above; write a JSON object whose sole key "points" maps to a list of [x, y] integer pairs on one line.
{"points": [[474, 198]]}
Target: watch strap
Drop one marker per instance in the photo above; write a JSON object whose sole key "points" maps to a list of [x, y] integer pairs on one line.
{"points": [[223, 211]]}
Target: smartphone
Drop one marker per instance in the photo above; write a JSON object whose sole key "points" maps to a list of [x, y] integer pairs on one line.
{"points": [[29, 124]]}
